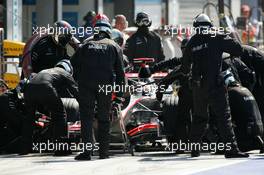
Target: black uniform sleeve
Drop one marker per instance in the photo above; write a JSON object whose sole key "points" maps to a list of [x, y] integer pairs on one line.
{"points": [[129, 48], [172, 76], [229, 45], [167, 64], [71, 85], [186, 61], [246, 75], [240, 65], [119, 69], [161, 55], [76, 63], [253, 58]]}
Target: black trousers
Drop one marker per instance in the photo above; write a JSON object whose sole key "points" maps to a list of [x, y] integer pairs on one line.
{"points": [[10, 114], [89, 96], [258, 93], [185, 106], [218, 102], [45, 96]]}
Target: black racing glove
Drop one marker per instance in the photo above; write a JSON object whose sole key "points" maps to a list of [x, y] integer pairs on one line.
{"points": [[159, 95]]}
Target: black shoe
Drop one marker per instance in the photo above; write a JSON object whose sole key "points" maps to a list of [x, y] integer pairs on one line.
{"points": [[195, 153], [23, 153], [83, 156], [62, 153], [236, 154], [179, 152], [261, 151], [103, 157]]}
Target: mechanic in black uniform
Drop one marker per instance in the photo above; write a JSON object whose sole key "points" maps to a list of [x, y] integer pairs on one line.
{"points": [[144, 43], [242, 73], [98, 64], [254, 59], [184, 93], [203, 57], [50, 49], [43, 90]]}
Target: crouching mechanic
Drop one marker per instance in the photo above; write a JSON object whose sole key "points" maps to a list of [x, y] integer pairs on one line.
{"points": [[98, 64], [43, 90]]}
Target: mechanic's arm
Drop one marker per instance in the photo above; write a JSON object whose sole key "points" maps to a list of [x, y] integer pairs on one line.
{"points": [[230, 45], [172, 76], [34, 59], [72, 86], [246, 75], [186, 61], [240, 65], [161, 56], [119, 70], [76, 63], [128, 50], [167, 64], [253, 59]]}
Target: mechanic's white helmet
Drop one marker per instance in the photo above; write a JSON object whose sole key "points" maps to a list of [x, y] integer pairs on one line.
{"points": [[202, 20]]}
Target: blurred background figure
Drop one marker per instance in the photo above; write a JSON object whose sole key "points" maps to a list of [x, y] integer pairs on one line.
{"points": [[120, 23], [118, 37], [249, 35], [88, 23], [144, 43]]}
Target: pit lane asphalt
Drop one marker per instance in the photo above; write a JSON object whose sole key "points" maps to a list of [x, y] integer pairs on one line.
{"points": [[160, 163]]}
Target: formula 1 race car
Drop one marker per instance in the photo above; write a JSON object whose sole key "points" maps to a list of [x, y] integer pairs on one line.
{"points": [[139, 125]]}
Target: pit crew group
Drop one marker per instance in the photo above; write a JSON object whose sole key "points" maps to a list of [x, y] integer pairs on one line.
{"points": [[99, 60]]}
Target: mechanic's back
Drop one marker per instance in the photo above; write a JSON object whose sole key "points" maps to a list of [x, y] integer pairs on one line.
{"points": [[103, 53], [98, 63], [57, 78], [206, 54], [203, 55]]}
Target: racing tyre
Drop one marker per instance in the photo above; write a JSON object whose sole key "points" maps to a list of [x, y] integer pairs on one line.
{"points": [[169, 113], [72, 108]]}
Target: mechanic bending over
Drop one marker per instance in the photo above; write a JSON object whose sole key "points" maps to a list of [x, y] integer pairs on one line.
{"points": [[254, 59], [98, 63], [44, 90]]}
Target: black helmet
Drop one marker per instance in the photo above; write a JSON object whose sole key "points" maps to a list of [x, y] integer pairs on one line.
{"points": [[62, 34], [202, 20], [142, 20], [66, 65], [89, 16], [103, 25], [118, 37]]}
